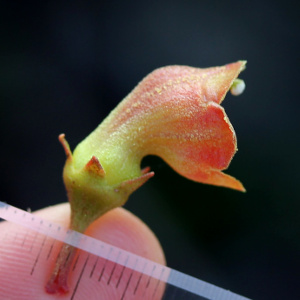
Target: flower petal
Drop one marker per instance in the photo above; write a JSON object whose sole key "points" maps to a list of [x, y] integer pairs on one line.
{"points": [[178, 117], [198, 145], [174, 113]]}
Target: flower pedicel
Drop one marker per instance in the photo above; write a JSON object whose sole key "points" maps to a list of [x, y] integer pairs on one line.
{"points": [[173, 113]]}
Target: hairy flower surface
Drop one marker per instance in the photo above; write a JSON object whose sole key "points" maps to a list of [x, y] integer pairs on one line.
{"points": [[174, 113]]}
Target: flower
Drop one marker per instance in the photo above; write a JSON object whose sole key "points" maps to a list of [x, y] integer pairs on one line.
{"points": [[174, 113]]}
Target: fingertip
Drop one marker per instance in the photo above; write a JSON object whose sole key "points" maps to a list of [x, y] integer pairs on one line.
{"points": [[59, 213], [118, 227], [123, 229]]}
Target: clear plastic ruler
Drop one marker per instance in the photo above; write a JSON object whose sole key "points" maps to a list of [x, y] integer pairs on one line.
{"points": [[101, 264]]}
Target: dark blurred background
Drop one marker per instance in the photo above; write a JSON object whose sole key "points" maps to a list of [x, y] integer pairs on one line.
{"points": [[65, 64]]}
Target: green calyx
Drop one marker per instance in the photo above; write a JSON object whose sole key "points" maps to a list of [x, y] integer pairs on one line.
{"points": [[92, 191]]}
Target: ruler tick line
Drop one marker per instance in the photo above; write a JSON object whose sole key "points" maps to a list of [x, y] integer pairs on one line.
{"points": [[140, 278], [104, 266], [149, 279], [38, 256], [158, 282], [122, 272], [25, 237], [15, 238], [94, 267], [76, 261], [127, 285], [34, 239], [66, 261], [50, 250], [114, 268], [102, 271], [80, 276]]}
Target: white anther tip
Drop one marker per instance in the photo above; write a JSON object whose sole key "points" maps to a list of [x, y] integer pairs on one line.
{"points": [[237, 87]]}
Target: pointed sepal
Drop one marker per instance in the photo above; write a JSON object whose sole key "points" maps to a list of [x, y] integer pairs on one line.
{"points": [[129, 186], [145, 170], [65, 145], [94, 166]]}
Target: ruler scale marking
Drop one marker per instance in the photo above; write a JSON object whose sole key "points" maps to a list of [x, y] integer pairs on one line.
{"points": [[104, 266], [25, 237], [122, 272], [79, 279], [111, 253], [94, 267], [50, 250], [157, 284], [76, 261], [113, 269], [140, 278], [38, 256]]}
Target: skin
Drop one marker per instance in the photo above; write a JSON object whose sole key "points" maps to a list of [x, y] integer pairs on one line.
{"points": [[117, 227]]}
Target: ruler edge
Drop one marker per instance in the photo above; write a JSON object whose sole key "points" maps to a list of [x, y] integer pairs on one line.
{"points": [[192, 284]]}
